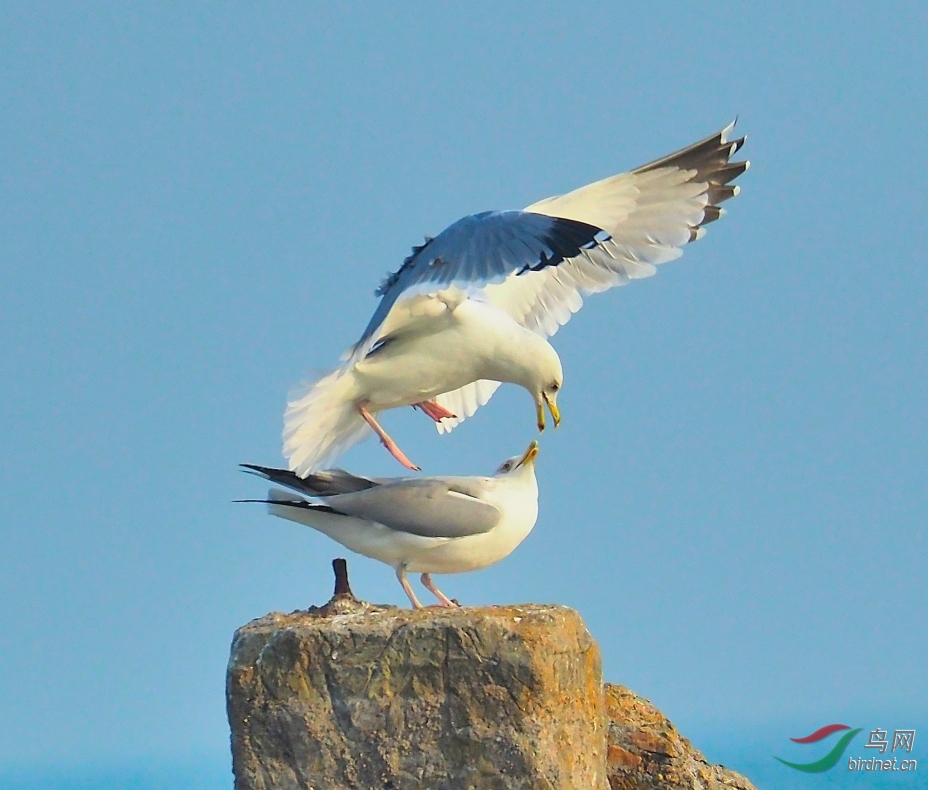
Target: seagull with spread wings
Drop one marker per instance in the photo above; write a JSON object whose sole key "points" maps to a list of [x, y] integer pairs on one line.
{"points": [[418, 524], [474, 306]]}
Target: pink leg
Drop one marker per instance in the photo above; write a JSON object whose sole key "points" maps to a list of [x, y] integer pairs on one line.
{"points": [[434, 410], [385, 440], [430, 586], [401, 575]]}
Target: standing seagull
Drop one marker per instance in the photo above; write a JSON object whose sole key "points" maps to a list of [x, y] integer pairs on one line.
{"points": [[473, 307], [423, 524]]}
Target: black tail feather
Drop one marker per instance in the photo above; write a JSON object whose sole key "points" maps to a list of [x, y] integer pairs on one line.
{"points": [[329, 482], [300, 503]]}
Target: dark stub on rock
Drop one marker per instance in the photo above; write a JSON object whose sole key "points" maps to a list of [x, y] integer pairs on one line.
{"points": [[342, 588], [343, 600]]}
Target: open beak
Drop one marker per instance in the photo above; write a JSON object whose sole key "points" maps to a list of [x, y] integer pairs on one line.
{"points": [[529, 456], [552, 407]]}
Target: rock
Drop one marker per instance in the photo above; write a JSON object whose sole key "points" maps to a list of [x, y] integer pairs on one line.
{"points": [[645, 752], [359, 696], [355, 695]]}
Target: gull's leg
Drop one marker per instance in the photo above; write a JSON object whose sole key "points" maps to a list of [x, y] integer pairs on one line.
{"points": [[385, 439], [401, 575], [430, 586], [434, 410]]}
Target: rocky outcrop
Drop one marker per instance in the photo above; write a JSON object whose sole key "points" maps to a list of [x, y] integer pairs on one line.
{"points": [[352, 695], [646, 752], [502, 697]]}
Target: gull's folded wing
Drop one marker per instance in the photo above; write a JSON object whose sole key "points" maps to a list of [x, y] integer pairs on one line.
{"points": [[431, 507]]}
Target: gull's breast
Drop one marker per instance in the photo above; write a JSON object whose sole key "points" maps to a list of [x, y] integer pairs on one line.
{"points": [[471, 553], [444, 355]]}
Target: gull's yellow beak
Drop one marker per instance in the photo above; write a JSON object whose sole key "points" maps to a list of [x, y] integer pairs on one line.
{"points": [[529, 456], [552, 406]]}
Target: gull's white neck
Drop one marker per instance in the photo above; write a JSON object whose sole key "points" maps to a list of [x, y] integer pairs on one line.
{"points": [[470, 341], [509, 351]]}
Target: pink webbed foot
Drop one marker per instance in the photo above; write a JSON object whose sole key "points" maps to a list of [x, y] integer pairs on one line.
{"points": [[401, 576], [385, 439], [430, 586], [434, 410]]}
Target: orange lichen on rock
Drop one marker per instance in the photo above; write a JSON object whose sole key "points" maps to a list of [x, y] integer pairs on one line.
{"points": [[646, 752]]}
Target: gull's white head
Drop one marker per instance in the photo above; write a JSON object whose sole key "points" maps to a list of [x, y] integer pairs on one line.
{"points": [[531, 362], [519, 464], [547, 379]]}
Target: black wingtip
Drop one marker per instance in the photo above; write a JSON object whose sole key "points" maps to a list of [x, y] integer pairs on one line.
{"points": [[253, 469], [302, 504]]}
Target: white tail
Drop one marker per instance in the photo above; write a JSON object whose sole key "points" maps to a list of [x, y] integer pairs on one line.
{"points": [[322, 423]]}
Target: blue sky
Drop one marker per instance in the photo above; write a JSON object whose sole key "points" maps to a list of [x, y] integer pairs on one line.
{"points": [[196, 207]]}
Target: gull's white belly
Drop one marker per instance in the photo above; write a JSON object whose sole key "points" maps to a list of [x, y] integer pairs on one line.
{"points": [[364, 537], [418, 371], [472, 342], [473, 552]]}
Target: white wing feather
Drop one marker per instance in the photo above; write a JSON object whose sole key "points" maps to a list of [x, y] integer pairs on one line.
{"points": [[650, 213], [464, 402]]}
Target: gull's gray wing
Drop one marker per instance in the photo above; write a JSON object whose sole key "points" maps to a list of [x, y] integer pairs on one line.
{"points": [[328, 482], [431, 507], [649, 214], [479, 249]]}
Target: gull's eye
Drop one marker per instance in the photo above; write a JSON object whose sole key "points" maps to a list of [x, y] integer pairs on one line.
{"points": [[507, 466], [555, 387]]}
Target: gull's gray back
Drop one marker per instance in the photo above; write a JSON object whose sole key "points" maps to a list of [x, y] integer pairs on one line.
{"points": [[432, 507]]}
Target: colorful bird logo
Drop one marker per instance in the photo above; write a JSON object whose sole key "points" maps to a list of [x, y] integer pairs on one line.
{"points": [[830, 759]]}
